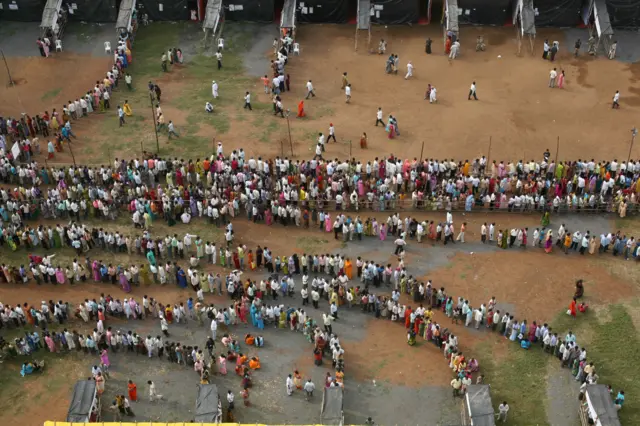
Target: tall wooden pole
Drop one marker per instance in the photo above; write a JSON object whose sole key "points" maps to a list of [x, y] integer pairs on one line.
{"points": [[421, 151], [155, 127], [73, 157], [289, 128], [557, 151]]}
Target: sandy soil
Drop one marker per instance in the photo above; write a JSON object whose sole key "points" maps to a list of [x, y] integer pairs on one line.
{"points": [[47, 83], [517, 110]]}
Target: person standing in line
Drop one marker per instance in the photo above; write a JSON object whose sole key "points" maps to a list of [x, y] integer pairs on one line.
{"points": [[576, 49], [310, 91], [545, 50], [219, 58], [214, 328], [379, 117], [153, 393], [409, 70], [247, 101], [332, 133], [616, 100], [120, 115], [552, 78], [503, 409], [472, 92], [347, 92]]}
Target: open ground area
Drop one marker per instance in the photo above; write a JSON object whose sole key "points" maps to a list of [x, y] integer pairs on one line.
{"points": [[384, 377]]}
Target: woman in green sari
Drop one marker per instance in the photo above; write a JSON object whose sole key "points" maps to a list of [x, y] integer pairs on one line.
{"points": [[505, 239], [545, 220]]}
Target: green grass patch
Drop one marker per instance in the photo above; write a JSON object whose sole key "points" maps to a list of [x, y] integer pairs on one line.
{"points": [[51, 94], [310, 244]]}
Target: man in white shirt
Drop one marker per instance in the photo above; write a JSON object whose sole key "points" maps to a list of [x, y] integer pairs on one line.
{"points": [[214, 89], [310, 91], [409, 70], [616, 100], [503, 409], [332, 133], [247, 101], [347, 92], [219, 58], [379, 117], [552, 78], [472, 92]]}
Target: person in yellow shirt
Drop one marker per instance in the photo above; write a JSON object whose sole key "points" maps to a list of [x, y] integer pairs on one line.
{"points": [[127, 108]]}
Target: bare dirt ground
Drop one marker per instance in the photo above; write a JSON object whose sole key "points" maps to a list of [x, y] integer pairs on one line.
{"points": [[516, 108]]}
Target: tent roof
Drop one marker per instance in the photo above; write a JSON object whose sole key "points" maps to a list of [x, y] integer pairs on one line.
{"points": [[288, 18], [600, 400], [528, 18], [81, 401], [207, 404], [212, 14], [479, 405], [332, 404], [124, 14], [50, 13], [364, 14], [452, 15], [602, 16]]}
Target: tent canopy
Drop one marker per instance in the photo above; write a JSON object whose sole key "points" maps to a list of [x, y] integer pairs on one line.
{"points": [[395, 12], [323, 11], [557, 13], [479, 405], [81, 401], [165, 10], [288, 18], [50, 13], [125, 14], [207, 410], [93, 10], [332, 405], [600, 404], [451, 7], [601, 15], [528, 18], [624, 14], [212, 15], [249, 10], [484, 12], [364, 14]]}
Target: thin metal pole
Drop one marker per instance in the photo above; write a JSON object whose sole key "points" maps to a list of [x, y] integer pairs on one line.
{"points": [[557, 151], [73, 157], [11, 83], [289, 128], [350, 156], [489, 156], [155, 126], [421, 151], [634, 132]]}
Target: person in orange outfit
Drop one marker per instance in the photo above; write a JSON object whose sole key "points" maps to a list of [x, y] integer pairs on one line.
{"points": [[133, 391], [301, 110]]}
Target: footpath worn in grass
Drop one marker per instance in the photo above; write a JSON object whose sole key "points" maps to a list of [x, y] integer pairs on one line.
{"points": [[520, 376]]}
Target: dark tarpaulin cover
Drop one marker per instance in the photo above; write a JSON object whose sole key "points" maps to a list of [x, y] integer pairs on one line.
{"points": [[557, 13], [395, 12], [93, 10], [81, 401], [624, 14], [27, 10], [484, 12], [249, 10], [207, 404], [332, 406], [172, 10], [323, 11], [479, 405]]}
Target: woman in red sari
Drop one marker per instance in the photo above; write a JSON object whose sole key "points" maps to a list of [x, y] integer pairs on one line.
{"points": [[236, 260], [301, 110]]}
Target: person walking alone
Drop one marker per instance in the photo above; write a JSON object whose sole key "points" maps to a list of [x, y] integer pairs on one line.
{"points": [[310, 91], [332, 133], [219, 58], [472, 92], [247, 101], [616, 100], [379, 117], [153, 393], [121, 115]]}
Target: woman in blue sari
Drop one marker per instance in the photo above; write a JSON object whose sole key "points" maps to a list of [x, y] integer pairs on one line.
{"points": [[44, 176], [259, 320], [181, 278], [252, 311]]}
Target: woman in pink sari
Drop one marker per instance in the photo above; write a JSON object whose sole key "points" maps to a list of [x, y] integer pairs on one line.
{"points": [[60, 277], [222, 365], [328, 225], [391, 131], [96, 271], [124, 283], [50, 343], [104, 358], [268, 218], [561, 79], [134, 307], [383, 232]]}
